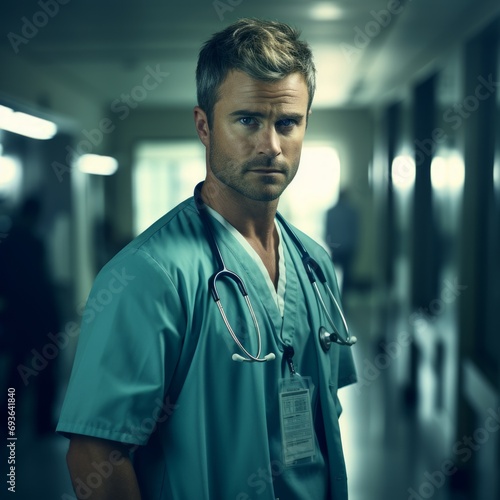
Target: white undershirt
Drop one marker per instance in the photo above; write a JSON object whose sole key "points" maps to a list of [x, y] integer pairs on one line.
{"points": [[279, 294]]}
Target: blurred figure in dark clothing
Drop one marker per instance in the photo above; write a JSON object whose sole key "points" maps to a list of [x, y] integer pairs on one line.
{"points": [[108, 242], [341, 235], [28, 313]]}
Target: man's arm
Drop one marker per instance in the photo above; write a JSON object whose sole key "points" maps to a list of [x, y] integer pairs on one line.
{"points": [[102, 467]]}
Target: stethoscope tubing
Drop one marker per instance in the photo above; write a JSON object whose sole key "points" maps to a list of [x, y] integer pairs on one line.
{"points": [[311, 267]]}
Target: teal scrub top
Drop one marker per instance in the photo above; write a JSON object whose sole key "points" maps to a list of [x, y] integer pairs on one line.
{"points": [[153, 368]]}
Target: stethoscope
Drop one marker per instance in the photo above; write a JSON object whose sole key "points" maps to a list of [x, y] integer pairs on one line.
{"points": [[311, 267]]}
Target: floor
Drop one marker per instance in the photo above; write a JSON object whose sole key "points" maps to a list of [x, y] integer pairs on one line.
{"points": [[384, 455], [391, 453]]}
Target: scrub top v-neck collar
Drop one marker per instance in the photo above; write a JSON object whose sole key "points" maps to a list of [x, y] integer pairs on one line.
{"points": [[284, 323], [277, 294]]}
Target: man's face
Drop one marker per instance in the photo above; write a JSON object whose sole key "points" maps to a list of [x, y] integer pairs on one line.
{"points": [[256, 139]]}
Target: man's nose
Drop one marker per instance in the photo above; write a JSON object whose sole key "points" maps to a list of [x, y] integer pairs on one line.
{"points": [[269, 142]]}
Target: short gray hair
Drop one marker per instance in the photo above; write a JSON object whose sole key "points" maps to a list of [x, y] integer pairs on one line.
{"points": [[265, 50]]}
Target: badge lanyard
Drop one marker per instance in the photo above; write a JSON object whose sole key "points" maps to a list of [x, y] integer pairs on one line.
{"points": [[298, 439]]}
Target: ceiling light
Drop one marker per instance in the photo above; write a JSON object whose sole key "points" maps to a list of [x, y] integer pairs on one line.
{"points": [[97, 164], [5, 112], [27, 125], [325, 11]]}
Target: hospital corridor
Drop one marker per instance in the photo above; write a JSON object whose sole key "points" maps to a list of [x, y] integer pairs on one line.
{"points": [[398, 184]]}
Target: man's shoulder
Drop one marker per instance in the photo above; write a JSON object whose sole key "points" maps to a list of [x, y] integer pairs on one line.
{"points": [[181, 220], [169, 225], [166, 241]]}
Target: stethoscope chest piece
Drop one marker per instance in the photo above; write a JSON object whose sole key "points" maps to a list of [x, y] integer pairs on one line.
{"points": [[324, 339]]}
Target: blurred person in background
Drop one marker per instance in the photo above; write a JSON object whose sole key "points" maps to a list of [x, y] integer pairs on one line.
{"points": [[108, 242], [342, 235], [28, 312]]}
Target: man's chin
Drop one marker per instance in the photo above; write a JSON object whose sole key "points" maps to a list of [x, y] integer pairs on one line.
{"points": [[263, 188], [267, 192]]}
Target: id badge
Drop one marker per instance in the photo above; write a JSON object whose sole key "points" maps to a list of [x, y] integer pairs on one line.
{"points": [[298, 439]]}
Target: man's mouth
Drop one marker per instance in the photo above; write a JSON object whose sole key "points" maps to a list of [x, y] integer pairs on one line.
{"points": [[267, 170]]}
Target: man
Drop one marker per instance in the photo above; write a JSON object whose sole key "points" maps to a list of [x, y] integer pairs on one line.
{"points": [[156, 374]]}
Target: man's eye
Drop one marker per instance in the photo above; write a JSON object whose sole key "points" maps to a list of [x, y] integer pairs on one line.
{"points": [[287, 122], [247, 120]]}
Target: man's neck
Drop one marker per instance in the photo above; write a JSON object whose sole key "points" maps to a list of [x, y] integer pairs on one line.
{"points": [[253, 219]]}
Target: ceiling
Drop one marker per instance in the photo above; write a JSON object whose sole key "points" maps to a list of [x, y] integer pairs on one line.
{"points": [[103, 48]]}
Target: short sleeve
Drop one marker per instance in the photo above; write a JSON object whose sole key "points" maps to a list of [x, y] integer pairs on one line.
{"points": [[347, 370], [131, 336]]}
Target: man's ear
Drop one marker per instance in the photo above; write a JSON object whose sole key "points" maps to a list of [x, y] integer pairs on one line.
{"points": [[201, 124]]}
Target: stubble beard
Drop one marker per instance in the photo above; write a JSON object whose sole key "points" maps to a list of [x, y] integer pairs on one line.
{"points": [[268, 188]]}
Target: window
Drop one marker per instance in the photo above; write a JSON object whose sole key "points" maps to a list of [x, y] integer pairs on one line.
{"points": [[313, 191], [164, 174]]}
